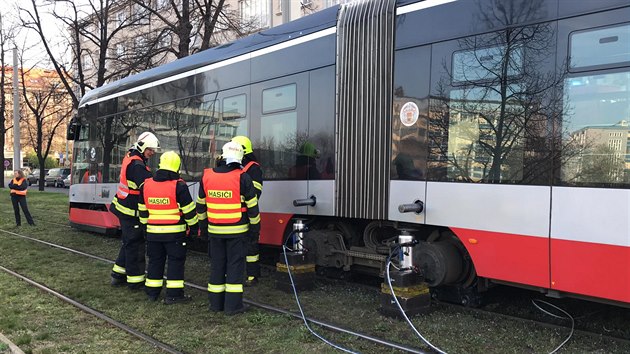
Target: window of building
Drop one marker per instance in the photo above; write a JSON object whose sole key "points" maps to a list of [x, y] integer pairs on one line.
{"points": [[256, 11], [87, 62], [330, 3], [121, 16], [120, 49]]}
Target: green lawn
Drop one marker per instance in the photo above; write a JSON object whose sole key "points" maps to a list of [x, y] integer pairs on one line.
{"points": [[192, 328]]}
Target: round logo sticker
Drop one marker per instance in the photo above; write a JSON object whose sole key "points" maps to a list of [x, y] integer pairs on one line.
{"points": [[409, 114], [93, 153]]}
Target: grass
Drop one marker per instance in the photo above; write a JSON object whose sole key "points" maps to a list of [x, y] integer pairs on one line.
{"points": [[191, 328]]}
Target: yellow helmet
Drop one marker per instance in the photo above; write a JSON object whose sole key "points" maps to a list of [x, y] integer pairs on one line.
{"points": [[170, 161], [245, 142]]}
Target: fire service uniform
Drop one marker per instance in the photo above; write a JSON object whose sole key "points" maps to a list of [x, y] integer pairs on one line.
{"points": [[167, 209], [252, 168], [130, 265], [228, 205]]}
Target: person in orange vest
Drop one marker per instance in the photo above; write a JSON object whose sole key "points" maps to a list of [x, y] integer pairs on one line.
{"points": [[228, 207], [19, 187], [167, 209], [92, 175], [252, 168], [129, 266]]}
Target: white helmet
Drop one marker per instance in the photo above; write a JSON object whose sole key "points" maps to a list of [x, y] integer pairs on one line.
{"points": [[232, 152], [146, 140]]}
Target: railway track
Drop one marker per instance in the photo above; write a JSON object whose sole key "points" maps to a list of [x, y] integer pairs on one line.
{"points": [[134, 332], [332, 327], [326, 325]]}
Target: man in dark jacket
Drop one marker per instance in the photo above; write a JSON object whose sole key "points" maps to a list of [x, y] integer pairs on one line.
{"points": [[227, 204], [166, 208], [129, 267], [252, 168]]}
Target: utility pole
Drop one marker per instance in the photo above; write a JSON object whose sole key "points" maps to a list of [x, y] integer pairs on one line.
{"points": [[17, 162]]}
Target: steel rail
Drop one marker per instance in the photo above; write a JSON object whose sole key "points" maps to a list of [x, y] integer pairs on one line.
{"points": [[323, 324], [165, 347]]}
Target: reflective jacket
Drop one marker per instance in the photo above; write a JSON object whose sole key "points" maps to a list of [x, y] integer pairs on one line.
{"points": [[227, 202], [166, 207], [252, 168], [18, 187], [133, 173]]}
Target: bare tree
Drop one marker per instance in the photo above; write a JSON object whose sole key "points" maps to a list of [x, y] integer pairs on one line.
{"points": [[194, 24], [7, 34], [95, 38], [49, 106]]}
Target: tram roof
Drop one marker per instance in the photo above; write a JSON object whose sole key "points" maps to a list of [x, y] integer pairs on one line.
{"points": [[295, 29]]}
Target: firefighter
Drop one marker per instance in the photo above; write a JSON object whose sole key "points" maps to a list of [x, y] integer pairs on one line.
{"points": [[129, 267], [252, 168], [166, 208], [227, 204], [19, 187]]}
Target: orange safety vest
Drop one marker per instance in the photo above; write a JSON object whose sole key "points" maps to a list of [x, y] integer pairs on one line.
{"points": [[223, 197], [123, 186], [15, 191], [250, 164], [160, 198]]}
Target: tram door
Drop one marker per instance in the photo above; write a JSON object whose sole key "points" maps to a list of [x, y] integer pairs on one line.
{"points": [[279, 132], [409, 132]]}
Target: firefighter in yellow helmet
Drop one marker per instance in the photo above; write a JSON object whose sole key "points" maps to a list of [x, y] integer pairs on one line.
{"points": [[167, 209], [129, 267], [228, 205], [252, 168]]}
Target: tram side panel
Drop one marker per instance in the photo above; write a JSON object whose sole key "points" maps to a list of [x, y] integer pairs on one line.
{"points": [[590, 231]]}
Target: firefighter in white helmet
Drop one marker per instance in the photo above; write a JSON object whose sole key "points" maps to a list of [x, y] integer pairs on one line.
{"points": [[167, 210], [228, 207], [129, 266]]}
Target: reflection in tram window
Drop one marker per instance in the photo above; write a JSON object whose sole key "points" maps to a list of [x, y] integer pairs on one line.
{"points": [[597, 112]]}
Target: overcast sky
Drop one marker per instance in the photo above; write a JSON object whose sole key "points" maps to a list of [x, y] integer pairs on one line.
{"points": [[34, 54]]}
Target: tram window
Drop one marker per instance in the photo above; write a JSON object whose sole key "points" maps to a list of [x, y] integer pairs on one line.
{"points": [[482, 64], [607, 47], [234, 107], [491, 107], [277, 145], [279, 99], [596, 144]]}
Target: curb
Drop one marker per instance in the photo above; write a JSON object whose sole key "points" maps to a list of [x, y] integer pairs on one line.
{"points": [[13, 349]]}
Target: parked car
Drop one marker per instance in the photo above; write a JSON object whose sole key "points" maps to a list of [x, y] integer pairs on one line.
{"points": [[33, 177], [55, 177], [66, 182]]}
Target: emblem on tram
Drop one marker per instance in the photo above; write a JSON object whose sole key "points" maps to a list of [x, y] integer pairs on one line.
{"points": [[409, 114]]}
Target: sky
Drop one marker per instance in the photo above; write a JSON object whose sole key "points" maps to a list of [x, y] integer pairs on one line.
{"points": [[27, 40]]}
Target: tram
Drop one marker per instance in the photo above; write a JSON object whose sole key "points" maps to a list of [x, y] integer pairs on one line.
{"points": [[494, 132]]}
